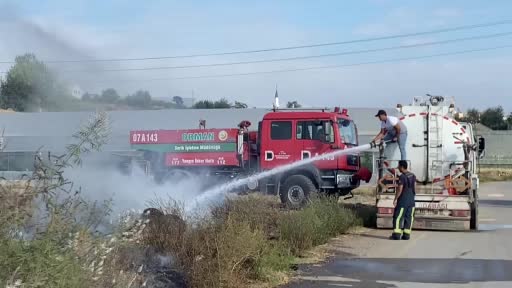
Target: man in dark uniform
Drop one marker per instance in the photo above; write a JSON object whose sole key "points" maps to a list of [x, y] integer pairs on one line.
{"points": [[404, 203]]}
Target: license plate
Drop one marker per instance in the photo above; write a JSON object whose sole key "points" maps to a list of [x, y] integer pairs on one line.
{"points": [[432, 205], [429, 212]]}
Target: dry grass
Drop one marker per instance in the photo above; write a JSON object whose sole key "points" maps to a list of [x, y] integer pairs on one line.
{"points": [[249, 241], [252, 241], [495, 174], [366, 190]]}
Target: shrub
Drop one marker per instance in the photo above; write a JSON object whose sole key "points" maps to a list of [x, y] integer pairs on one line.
{"points": [[314, 225]]}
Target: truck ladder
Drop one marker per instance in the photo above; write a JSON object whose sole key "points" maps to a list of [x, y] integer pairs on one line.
{"points": [[435, 143]]}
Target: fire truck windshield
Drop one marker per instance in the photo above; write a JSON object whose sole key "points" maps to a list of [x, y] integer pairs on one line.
{"points": [[347, 132]]}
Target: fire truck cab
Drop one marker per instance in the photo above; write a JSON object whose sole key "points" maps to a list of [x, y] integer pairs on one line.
{"points": [[287, 136]]}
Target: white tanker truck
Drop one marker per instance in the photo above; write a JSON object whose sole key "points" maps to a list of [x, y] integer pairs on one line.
{"points": [[443, 154]]}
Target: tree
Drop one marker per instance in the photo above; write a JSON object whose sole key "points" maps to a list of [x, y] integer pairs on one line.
{"points": [[160, 104], [472, 116], [141, 99], [494, 118], [219, 104], [222, 104], [509, 121], [30, 85], [204, 104], [293, 104], [109, 96], [178, 101], [87, 97], [240, 105]]}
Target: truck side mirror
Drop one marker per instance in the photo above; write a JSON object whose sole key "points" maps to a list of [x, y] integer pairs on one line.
{"points": [[328, 136], [481, 145]]}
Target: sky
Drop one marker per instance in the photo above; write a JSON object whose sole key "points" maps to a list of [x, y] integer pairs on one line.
{"points": [[93, 29]]}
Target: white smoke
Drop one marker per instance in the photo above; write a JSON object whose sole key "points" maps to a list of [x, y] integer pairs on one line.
{"points": [[130, 192]]}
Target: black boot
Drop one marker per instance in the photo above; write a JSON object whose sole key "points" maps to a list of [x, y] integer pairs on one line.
{"points": [[395, 236], [406, 236]]}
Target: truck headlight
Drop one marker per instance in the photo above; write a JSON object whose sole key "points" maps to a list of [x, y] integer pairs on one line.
{"points": [[343, 180]]}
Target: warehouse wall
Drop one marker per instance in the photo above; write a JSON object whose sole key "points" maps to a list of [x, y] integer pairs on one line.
{"points": [[498, 149]]}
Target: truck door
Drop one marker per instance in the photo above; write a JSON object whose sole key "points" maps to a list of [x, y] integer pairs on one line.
{"points": [[312, 138], [278, 145]]}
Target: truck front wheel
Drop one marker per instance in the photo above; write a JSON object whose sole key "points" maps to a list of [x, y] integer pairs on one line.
{"points": [[296, 190]]}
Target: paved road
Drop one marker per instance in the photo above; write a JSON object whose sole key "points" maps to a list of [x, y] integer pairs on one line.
{"points": [[429, 259]]}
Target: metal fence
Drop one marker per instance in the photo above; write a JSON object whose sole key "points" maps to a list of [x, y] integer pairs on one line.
{"points": [[496, 161]]}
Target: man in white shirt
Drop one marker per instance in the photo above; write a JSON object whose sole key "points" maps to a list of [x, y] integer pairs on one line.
{"points": [[391, 128]]}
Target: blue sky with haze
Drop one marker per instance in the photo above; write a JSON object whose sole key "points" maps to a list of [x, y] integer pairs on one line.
{"points": [[62, 30]]}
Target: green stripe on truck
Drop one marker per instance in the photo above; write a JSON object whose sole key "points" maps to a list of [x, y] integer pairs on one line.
{"points": [[184, 148]]}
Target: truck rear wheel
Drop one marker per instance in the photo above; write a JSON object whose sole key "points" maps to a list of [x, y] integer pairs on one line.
{"points": [[473, 222], [296, 190]]}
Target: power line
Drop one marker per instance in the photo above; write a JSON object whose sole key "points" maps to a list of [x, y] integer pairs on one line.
{"points": [[331, 66], [395, 36], [302, 57]]}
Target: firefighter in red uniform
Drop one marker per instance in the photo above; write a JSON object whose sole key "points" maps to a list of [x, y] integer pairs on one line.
{"points": [[403, 215]]}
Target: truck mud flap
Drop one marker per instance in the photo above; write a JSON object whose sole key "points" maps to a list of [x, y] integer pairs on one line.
{"points": [[386, 222]]}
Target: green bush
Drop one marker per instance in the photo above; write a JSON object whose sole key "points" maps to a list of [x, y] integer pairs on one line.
{"points": [[323, 219], [276, 258]]}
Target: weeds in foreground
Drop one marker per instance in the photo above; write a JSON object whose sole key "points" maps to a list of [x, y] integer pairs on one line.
{"points": [[252, 238], [41, 214]]}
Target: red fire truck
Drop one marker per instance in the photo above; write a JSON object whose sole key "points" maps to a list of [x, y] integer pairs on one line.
{"points": [[282, 137]]}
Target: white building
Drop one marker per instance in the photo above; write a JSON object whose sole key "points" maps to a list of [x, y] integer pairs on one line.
{"points": [[76, 91]]}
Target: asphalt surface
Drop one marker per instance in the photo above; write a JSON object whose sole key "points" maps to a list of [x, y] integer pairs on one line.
{"points": [[430, 259]]}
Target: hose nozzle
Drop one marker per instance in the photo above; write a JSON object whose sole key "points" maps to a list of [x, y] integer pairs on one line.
{"points": [[379, 144]]}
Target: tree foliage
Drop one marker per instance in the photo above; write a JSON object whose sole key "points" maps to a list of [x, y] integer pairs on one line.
{"points": [[178, 101], [293, 104], [472, 116], [109, 96], [494, 118], [223, 103], [30, 86], [204, 104], [140, 99]]}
